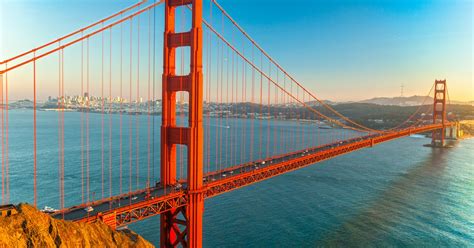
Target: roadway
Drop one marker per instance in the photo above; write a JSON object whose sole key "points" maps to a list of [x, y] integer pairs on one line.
{"points": [[110, 204], [136, 200]]}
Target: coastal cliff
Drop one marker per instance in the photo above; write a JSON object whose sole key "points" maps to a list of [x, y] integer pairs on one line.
{"points": [[32, 228]]}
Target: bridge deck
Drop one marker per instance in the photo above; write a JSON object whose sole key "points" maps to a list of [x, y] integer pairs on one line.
{"points": [[134, 206]]}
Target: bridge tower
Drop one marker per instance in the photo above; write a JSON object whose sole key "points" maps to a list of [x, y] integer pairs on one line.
{"points": [[439, 113], [182, 226]]}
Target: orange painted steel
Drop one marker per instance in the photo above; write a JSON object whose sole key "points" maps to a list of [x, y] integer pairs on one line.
{"points": [[35, 182], [174, 202], [139, 210], [101, 21], [266, 76], [362, 128], [82, 38], [410, 118], [225, 185], [174, 231], [181, 208], [439, 112]]}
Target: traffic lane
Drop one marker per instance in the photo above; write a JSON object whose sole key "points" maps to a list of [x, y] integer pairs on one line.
{"points": [[80, 213], [266, 163]]}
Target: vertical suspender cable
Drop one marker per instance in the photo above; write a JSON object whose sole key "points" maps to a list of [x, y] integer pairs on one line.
{"points": [[130, 149], [208, 96], [3, 141], [34, 131], [121, 109], [59, 127], [7, 162], [62, 132], [217, 102], [236, 135], [154, 103], [87, 125], [252, 104], [227, 151], [137, 127], [268, 116], [292, 114], [283, 96], [244, 99], [233, 137], [61, 102], [102, 115], [260, 134], [303, 126], [279, 146], [148, 101], [221, 117], [209, 99], [82, 119], [110, 116]]}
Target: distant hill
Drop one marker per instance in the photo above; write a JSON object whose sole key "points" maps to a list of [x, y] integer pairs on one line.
{"points": [[316, 103], [407, 101]]}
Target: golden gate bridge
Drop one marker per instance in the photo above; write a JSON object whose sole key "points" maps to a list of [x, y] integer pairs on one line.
{"points": [[212, 72]]}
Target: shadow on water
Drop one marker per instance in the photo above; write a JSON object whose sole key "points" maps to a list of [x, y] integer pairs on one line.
{"points": [[396, 209]]}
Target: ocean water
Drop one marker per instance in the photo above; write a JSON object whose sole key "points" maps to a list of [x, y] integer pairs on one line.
{"points": [[395, 194]]}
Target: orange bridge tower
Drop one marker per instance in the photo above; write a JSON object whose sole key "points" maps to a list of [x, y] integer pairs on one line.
{"points": [[439, 113], [183, 226]]}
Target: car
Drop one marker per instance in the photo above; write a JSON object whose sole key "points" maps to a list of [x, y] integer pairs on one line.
{"points": [[121, 228], [134, 198], [48, 210], [89, 209], [178, 186], [224, 175], [263, 162], [231, 172]]}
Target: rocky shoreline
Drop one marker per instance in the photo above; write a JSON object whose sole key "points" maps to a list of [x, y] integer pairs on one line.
{"points": [[25, 226]]}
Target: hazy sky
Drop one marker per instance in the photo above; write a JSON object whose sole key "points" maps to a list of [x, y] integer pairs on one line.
{"points": [[339, 49]]}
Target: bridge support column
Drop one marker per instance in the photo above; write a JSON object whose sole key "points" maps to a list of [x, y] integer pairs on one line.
{"points": [[459, 132], [183, 226], [439, 113], [173, 228]]}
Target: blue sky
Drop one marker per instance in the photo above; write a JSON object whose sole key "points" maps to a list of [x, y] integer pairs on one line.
{"points": [[340, 49]]}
